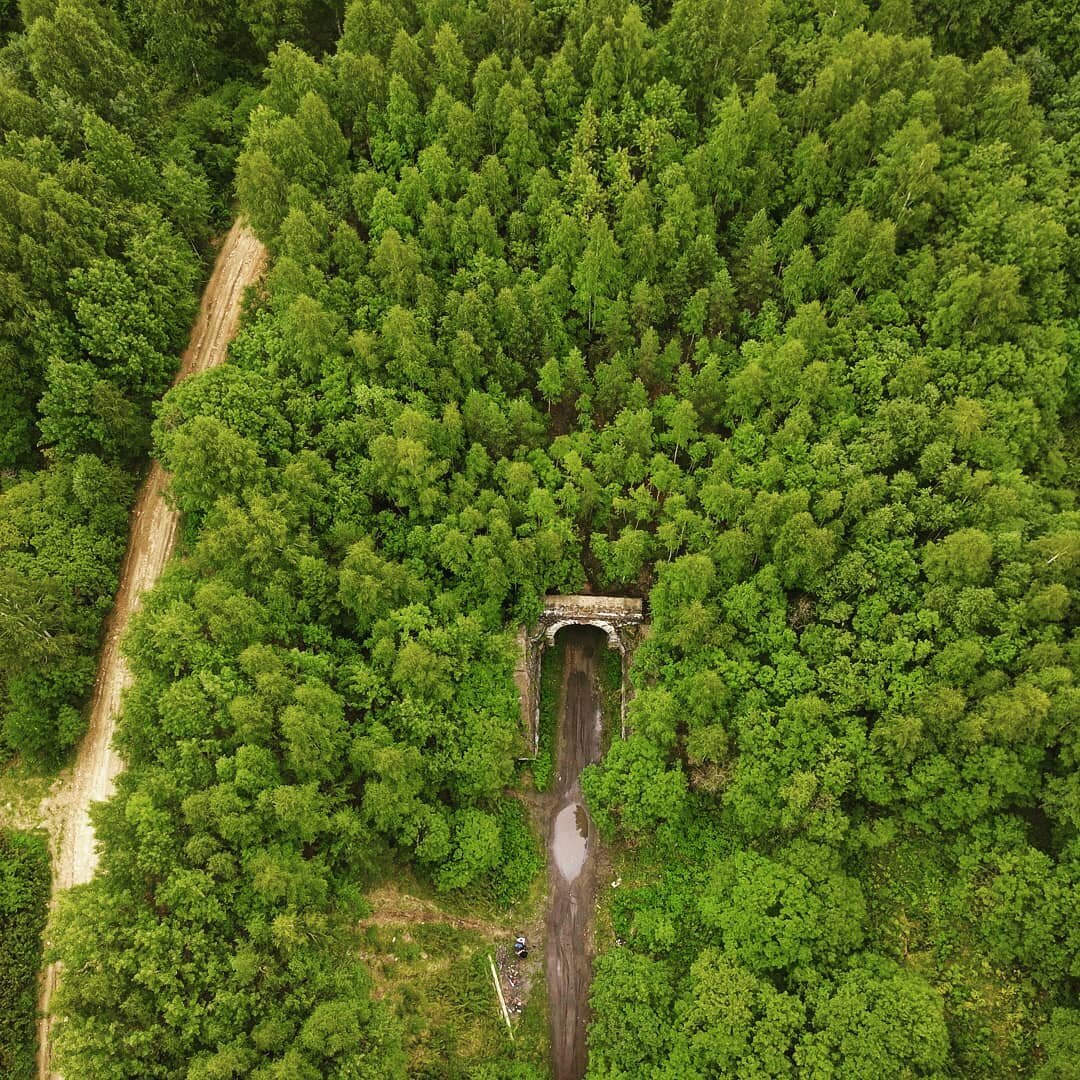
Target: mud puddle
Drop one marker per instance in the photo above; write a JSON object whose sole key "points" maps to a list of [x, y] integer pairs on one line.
{"points": [[570, 840]]}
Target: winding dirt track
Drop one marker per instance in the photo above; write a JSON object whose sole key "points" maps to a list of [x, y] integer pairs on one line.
{"points": [[154, 529], [572, 871]]}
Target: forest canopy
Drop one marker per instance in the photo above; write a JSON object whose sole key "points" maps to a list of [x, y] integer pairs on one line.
{"points": [[765, 313], [103, 204]]}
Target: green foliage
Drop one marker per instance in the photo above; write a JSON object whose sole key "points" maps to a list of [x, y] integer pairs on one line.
{"points": [[1047, 31], [99, 271], [551, 678], [114, 167], [24, 897], [762, 312], [1061, 1041], [520, 857], [209, 41], [876, 1020], [63, 534], [785, 916]]}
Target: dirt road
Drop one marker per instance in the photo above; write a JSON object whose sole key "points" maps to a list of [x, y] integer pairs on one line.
{"points": [[154, 529], [572, 855]]}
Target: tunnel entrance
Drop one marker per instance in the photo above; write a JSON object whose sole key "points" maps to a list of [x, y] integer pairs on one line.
{"points": [[619, 619]]}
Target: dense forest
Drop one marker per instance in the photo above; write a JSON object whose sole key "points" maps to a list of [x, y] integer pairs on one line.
{"points": [[766, 313], [103, 204]]}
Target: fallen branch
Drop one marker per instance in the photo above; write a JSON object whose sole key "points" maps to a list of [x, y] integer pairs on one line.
{"points": [[502, 1000]]}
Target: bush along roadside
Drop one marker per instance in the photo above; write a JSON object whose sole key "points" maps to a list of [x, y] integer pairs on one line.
{"points": [[24, 896], [551, 673]]}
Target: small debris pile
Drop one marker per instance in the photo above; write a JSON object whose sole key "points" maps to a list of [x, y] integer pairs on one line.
{"points": [[514, 974]]}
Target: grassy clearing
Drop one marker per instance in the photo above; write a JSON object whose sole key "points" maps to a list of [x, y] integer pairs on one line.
{"points": [[427, 953], [435, 977]]}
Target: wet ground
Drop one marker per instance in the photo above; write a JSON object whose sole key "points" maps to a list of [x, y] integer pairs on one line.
{"points": [[572, 869]]}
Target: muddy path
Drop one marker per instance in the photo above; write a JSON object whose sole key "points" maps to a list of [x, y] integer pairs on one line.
{"points": [[154, 530], [572, 863]]}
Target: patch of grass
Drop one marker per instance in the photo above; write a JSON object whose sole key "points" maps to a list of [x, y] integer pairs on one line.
{"points": [[436, 979], [22, 787], [610, 695], [532, 1027]]}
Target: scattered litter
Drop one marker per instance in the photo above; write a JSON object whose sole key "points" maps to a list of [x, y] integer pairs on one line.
{"points": [[512, 979]]}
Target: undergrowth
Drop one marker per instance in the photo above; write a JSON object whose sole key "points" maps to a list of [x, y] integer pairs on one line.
{"points": [[551, 673]]}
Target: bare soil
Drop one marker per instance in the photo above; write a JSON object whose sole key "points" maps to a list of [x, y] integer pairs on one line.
{"points": [[573, 865], [155, 526]]}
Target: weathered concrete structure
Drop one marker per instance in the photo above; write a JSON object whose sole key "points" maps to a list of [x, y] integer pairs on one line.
{"points": [[621, 618]]}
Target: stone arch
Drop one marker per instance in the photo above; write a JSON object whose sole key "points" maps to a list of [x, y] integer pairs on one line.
{"points": [[614, 641]]}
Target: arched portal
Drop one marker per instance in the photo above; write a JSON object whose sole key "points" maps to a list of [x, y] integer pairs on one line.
{"points": [[620, 618], [614, 641]]}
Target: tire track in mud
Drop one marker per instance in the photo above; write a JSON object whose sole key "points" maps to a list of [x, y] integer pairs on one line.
{"points": [[154, 530], [572, 867]]}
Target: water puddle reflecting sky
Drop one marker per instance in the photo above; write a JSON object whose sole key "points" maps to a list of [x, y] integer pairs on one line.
{"points": [[570, 839]]}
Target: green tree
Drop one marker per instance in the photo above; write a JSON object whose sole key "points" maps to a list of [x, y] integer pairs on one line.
{"points": [[877, 1020]]}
